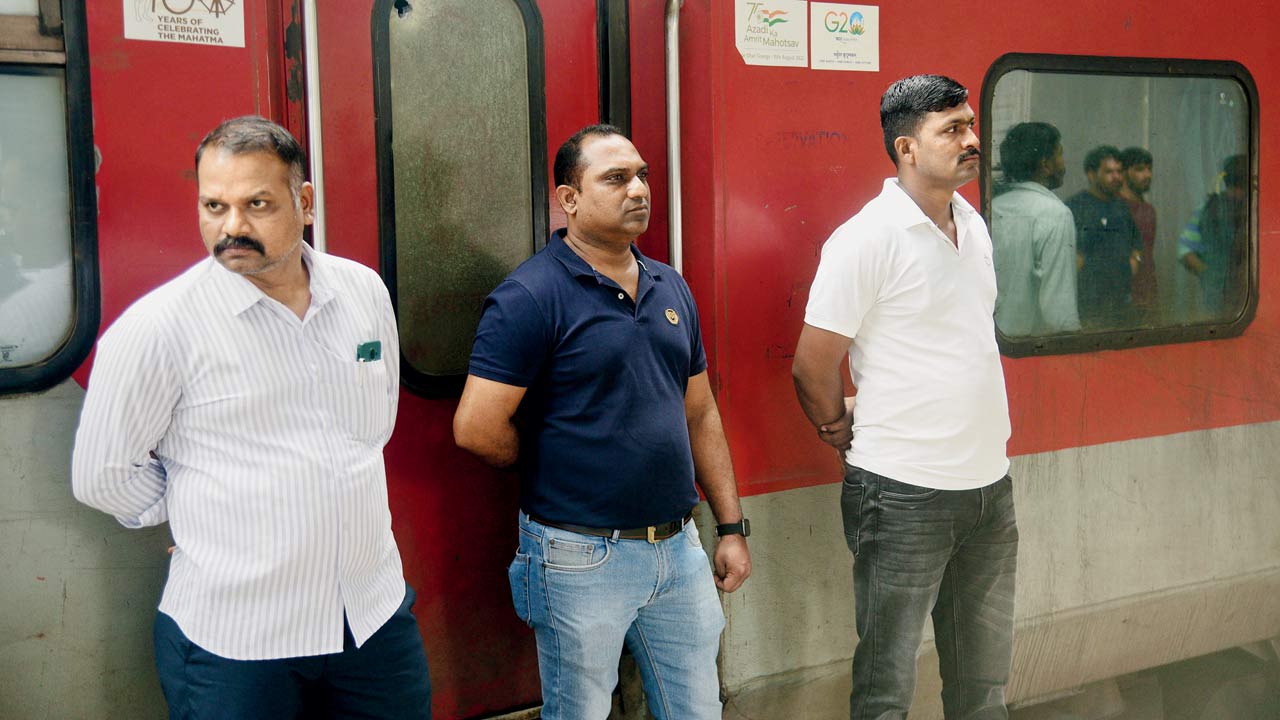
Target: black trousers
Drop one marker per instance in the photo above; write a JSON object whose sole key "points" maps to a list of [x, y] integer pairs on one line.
{"points": [[386, 678]]}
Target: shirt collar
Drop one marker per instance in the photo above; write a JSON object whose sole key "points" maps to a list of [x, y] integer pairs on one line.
{"points": [[578, 267], [907, 213], [1035, 187], [242, 294]]}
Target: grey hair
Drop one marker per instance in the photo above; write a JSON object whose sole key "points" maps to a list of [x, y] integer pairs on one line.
{"points": [[253, 133]]}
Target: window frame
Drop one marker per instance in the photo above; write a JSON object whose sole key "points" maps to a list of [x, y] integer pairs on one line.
{"points": [[445, 386], [86, 310], [613, 36], [1084, 342]]}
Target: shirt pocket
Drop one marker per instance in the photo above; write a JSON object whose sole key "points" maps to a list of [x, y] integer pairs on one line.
{"points": [[361, 400]]}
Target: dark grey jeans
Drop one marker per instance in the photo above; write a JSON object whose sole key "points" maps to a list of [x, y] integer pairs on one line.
{"points": [[920, 552]]}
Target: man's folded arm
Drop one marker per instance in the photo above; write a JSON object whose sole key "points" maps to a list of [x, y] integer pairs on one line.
{"points": [[484, 424], [132, 394]]}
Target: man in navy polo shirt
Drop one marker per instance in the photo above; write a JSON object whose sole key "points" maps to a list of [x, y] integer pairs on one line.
{"points": [[588, 368]]}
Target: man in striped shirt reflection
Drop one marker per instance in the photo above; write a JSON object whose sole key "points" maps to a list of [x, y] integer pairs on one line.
{"points": [[247, 402]]}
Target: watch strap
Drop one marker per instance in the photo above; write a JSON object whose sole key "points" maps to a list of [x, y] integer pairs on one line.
{"points": [[742, 528]]}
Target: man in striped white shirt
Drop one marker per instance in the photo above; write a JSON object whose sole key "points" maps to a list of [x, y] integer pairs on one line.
{"points": [[247, 402]]}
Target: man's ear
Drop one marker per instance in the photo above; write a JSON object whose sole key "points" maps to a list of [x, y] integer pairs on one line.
{"points": [[905, 147], [307, 203], [568, 199]]}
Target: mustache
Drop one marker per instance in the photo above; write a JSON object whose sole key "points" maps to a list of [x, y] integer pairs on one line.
{"points": [[971, 152], [239, 241]]}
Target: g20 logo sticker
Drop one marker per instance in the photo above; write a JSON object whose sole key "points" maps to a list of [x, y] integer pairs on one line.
{"points": [[844, 23]]}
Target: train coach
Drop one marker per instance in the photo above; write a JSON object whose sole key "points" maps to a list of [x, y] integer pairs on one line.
{"points": [[1144, 447]]}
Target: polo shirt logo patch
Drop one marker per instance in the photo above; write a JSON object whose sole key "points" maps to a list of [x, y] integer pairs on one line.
{"points": [[672, 317]]}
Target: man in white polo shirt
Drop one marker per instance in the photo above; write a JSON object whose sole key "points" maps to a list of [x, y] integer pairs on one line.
{"points": [[907, 289]]}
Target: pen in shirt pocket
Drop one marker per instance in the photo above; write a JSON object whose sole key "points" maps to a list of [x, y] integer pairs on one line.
{"points": [[367, 352]]}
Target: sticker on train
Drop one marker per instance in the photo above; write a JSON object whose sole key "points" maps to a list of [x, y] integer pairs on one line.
{"points": [[844, 37], [772, 33], [198, 22]]}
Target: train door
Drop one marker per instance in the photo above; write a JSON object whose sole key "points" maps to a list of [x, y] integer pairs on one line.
{"points": [[439, 122]]}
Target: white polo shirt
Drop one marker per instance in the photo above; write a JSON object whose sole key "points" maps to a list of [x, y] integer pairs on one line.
{"points": [[931, 408]]}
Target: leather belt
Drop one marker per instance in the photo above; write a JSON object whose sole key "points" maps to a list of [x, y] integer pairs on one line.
{"points": [[651, 533]]}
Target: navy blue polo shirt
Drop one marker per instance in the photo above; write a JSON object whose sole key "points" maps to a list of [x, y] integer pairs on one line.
{"points": [[603, 436]]}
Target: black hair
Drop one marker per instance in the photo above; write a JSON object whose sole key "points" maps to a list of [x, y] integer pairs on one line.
{"points": [[568, 166], [1235, 171], [251, 134], [906, 102], [1133, 156], [1025, 147], [1094, 159]]}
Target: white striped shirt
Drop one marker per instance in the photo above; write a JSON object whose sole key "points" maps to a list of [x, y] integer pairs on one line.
{"points": [[269, 438]]}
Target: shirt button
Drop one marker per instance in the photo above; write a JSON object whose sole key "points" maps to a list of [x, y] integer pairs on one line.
{"points": [[620, 296]]}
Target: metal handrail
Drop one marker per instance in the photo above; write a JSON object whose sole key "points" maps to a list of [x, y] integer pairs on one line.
{"points": [[675, 225], [315, 147]]}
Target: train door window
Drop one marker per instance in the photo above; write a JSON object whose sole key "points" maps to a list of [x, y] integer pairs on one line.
{"points": [[48, 269], [1122, 200], [462, 168]]}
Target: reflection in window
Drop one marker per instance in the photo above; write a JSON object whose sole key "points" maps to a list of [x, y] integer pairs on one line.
{"points": [[1214, 242], [1121, 202], [462, 170], [19, 7], [36, 296]]}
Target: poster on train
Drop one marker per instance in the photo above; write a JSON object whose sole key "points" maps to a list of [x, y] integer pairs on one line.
{"points": [[844, 37], [198, 22], [772, 33]]}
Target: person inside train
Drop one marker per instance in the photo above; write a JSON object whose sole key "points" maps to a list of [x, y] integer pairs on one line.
{"points": [[247, 402], [588, 369], [1033, 235], [1213, 245], [907, 290], [1107, 241], [1136, 168]]}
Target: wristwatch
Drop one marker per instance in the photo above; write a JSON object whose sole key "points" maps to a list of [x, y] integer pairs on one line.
{"points": [[742, 528]]}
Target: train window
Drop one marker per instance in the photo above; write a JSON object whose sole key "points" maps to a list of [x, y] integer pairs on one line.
{"points": [[48, 269], [19, 7], [1122, 201], [462, 168], [36, 298]]}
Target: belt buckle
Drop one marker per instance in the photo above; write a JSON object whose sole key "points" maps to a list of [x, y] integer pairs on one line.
{"points": [[652, 539]]}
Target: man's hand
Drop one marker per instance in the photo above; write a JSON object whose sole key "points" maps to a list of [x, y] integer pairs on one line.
{"points": [[839, 434], [1192, 262], [820, 384], [732, 562]]}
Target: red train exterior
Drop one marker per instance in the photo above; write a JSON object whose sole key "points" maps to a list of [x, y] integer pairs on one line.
{"points": [[773, 159]]}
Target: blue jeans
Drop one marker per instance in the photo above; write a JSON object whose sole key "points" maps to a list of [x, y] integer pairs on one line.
{"points": [[384, 678], [921, 552], [586, 596]]}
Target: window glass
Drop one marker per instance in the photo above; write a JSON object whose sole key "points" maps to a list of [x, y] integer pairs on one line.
{"points": [[462, 170], [37, 301], [1119, 203], [19, 7]]}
